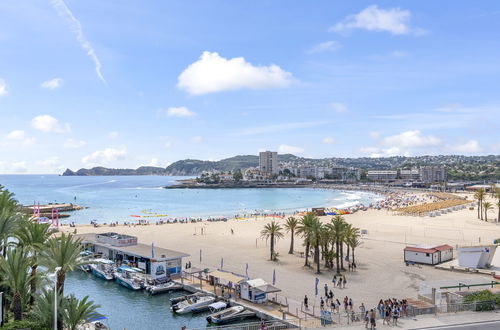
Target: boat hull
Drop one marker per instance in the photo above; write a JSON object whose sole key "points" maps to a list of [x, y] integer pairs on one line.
{"points": [[127, 284], [102, 275]]}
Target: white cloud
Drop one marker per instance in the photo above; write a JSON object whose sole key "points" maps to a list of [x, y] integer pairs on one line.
{"points": [[73, 144], [76, 28], [20, 135], [49, 162], [14, 167], [196, 139], [411, 139], [167, 144], [213, 73], [47, 123], [52, 83], [3, 88], [471, 146], [180, 112], [154, 162], [328, 140], [327, 46], [338, 107], [16, 135], [372, 18], [374, 134], [286, 149], [105, 156], [113, 135]]}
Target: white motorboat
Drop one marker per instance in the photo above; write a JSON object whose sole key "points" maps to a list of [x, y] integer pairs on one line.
{"points": [[157, 288], [228, 315], [129, 277], [193, 304], [102, 268]]}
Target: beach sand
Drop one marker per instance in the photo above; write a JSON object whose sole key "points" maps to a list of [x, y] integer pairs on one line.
{"points": [[381, 271]]}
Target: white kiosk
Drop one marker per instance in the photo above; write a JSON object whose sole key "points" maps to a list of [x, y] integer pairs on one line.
{"points": [[476, 256]]}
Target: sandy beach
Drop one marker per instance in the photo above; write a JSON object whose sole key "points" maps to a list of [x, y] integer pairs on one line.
{"points": [[381, 272]]}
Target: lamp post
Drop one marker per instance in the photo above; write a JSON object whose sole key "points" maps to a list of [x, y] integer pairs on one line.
{"points": [[57, 269]]}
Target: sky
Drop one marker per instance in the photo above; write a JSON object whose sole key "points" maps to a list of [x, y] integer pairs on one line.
{"points": [[130, 83]]}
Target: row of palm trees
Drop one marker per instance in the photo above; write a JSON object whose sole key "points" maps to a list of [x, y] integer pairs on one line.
{"points": [[30, 251], [484, 206], [327, 240]]}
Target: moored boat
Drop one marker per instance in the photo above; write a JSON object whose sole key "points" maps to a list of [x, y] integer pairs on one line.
{"points": [[103, 268], [193, 304], [129, 277], [229, 315], [176, 300], [157, 288]]}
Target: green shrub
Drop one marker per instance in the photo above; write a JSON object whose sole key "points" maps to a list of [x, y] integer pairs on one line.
{"points": [[23, 324]]}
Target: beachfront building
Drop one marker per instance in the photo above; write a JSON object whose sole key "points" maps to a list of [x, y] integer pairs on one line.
{"points": [[429, 255], [410, 175], [268, 162], [430, 174], [155, 261], [384, 176], [256, 290], [476, 256]]}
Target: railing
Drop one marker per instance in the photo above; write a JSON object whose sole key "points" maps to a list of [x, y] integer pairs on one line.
{"points": [[267, 325]]}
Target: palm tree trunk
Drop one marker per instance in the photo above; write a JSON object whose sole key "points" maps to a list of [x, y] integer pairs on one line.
{"points": [[486, 215], [342, 255], [33, 285], [18, 306], [353, 260], [316, 251], [272, 247], [478, 207], [347, 245], [61, 277], [291, 245], [307, 252], [337, 256], [481, 209]]}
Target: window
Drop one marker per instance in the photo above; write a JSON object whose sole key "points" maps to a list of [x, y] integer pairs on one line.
{"points": [[427, 254]]}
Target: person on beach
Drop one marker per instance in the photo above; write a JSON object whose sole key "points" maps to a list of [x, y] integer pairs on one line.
{"points": [[395, 315], [350, 303], [326, 290], [334, 280], [306, 300], [344, 282], [331, 295], [340, 282], [372, 319], [322, 303], [367, 319]]}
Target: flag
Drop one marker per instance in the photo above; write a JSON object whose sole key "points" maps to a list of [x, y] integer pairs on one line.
{"points": [[316, 287], [246, 270], [200, 255], [152, 250], [274, 276], [221, 263]]}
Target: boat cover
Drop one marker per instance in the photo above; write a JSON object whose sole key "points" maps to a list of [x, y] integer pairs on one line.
{"points": [[218, 305]]}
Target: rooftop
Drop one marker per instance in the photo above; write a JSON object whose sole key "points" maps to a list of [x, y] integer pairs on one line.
{"points": [[139, 250]]}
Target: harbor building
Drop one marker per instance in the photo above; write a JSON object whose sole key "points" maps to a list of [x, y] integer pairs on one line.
{"points": [[382, 175], [430, 255], [155, 261], [430, 174], [268, 162]]}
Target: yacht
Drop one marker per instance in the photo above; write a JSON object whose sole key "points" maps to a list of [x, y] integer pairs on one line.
{"points": [[129, 277], [103, 268], [193, 304]]}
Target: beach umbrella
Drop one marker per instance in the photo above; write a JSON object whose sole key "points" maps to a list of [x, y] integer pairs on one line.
{"points": [[274, 276], [152, 250], [221, 263], [246, 270], [200, 255], [316, 287]]}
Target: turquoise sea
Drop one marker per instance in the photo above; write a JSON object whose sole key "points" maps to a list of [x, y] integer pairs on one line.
{"points": [[116, 198]]}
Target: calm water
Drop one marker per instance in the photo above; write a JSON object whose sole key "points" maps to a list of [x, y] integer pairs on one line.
{"points": [[116, 198]]}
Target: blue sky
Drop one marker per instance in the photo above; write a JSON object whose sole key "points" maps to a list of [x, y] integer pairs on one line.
{"points": [[128, 83]]}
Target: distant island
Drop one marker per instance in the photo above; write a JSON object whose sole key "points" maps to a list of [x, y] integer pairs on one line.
{"points": [[458, 167]]}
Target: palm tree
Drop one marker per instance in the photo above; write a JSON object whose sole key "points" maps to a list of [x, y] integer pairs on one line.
{"points": [[304, 229], [290, 226], [43, 310], [316, 240], [33, 237], [486, 206], [15, 276], [350, 232], [498, 207], [479, 195], [337, 227], [75, 312], [9, 218], [354, 241], [64, 252], [273, 231]]}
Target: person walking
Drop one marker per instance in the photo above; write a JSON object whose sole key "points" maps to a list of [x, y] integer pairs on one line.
{"points": [[372, 319], [340, 282], [395, 315], [306, 300], [326, 290], [367, 319], [331, 295], [322, 303], [334, 280]]}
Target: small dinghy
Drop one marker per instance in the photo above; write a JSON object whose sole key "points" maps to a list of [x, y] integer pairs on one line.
{"points": [[194, 304], [228, 315]]}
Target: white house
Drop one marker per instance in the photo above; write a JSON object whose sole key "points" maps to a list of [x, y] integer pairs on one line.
{"points": [[430, 255], [476, 256]]}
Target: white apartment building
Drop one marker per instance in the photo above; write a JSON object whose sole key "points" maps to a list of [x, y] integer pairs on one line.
{"points": [[410, 175], [382, 175], [429, 174], [268, 162]]}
